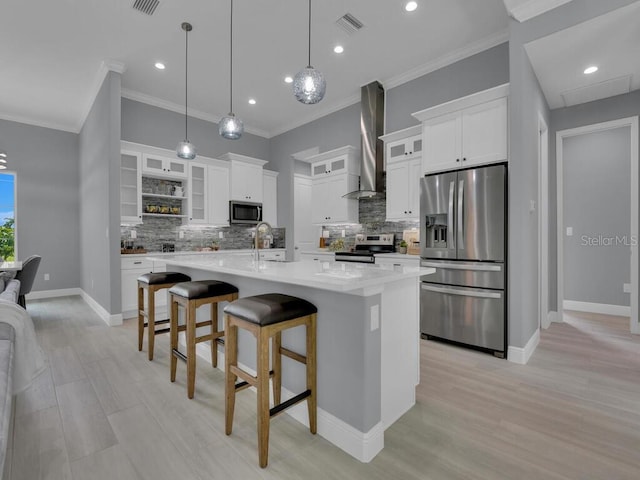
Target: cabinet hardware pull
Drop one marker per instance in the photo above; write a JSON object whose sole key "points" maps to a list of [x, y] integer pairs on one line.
{"points": [[457, 159]]}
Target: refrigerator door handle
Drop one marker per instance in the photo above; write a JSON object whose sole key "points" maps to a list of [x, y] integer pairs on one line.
{"points": [[452, 189], [462, 293], [460, 232], [453, 266]]}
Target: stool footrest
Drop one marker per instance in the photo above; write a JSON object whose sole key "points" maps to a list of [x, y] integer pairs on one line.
{"points": [[293, 355], [162, 330], [203, 324], [179, 354], [203, 338], [289, 403], [158, 322], [248, 378]]}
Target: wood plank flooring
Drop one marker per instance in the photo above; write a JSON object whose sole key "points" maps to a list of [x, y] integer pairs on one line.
{"points": [[103, 411]]}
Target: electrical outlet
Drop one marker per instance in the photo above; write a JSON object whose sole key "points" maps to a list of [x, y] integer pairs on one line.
{"points": [[46, 277], [343, 233], [134, 234], [220, 235], [375, 317], [569, 231], [180, 233], [626, 288]]}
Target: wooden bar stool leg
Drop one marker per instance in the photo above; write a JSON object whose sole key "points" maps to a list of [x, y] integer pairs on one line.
{"points": [[140, 317], [174, 337], [263, 396], [312, 404], [191, 348], [276, 366], [230, 359], [214, 330], [151, 319]]}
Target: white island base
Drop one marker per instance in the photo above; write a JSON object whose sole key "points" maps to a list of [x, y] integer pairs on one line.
{"points": [[367, 339]]}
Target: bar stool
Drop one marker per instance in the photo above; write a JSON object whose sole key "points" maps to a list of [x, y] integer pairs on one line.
{"points": [[152, 282], [191, 295], [266, 316]]}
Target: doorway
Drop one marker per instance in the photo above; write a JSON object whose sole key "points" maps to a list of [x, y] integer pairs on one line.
{"points": [[597, 238], [543, 221]]}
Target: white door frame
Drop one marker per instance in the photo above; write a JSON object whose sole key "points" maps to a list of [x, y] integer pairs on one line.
{"points": [[631, 122], [543, 223]]}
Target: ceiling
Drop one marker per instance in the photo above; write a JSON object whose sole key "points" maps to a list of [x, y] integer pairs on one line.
{"points": [[611, 42], [51, 53]]}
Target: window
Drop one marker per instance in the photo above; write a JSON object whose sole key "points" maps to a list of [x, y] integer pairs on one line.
{"points": [[7, 216]]}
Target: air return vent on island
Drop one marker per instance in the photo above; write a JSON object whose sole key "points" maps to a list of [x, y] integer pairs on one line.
{"points": [[146, 6], [349, 23]]}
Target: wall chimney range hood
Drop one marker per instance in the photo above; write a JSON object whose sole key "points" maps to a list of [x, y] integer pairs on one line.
{"points": [[371, 128]]}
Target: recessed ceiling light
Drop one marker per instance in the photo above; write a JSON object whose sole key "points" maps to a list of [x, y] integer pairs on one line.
{"points": [[288, 79], [338, 49], [252, 101], [160, 66], [411, 6], [590, 70]]}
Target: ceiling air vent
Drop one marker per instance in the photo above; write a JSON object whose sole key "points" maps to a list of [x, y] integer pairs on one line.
{"points": [[146, 6], [349, 23]]}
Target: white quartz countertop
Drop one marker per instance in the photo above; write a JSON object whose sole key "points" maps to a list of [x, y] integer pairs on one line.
{"points": [[352, 278], [217, 252]]}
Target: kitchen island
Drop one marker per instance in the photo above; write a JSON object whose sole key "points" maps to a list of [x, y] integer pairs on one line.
{"points": [[367, 338]]}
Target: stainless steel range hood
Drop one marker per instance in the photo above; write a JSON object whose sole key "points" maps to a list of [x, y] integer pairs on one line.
{"points": [[371, 128]]}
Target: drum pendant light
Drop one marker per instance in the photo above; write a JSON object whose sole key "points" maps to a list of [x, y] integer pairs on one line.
{"points": [[231, 127], [185, 148], [309, 85]]}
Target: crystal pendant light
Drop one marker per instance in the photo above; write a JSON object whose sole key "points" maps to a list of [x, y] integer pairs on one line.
{"points": [[309, 85], [185, 148], [230, 126]]}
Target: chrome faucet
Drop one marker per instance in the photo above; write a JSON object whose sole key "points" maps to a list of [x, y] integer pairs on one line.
{"points": [[257, 239]]}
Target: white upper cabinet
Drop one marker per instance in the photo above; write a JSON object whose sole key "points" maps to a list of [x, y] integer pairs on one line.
{"points": [[466, 132], [406, 148], [246, 177], [198, 193], [270, 197], [208, 194], [130, 187], [156, 165]]}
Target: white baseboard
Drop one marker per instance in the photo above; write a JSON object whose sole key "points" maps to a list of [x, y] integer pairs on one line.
{"points": [[108, 318], [601, 308], [363, 446], [61, 292], [522, 355], [554, 317]]}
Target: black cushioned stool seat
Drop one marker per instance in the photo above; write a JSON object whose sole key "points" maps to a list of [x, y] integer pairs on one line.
{"points": [[151, 283], [266, 317], [191, 295]]}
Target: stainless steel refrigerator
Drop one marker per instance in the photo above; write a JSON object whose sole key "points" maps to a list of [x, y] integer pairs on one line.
{"points": [[463, 226]]}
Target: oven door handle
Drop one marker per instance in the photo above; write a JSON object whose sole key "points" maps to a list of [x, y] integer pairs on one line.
{"points": [[454, 266], [462, 293]]}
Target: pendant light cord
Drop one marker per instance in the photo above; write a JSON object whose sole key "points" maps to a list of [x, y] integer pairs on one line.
{"points": [[309, 57], [231, 62], [186, 81]]}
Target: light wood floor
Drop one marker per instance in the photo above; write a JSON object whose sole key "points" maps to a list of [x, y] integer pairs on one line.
{"points": [[102, 411]]}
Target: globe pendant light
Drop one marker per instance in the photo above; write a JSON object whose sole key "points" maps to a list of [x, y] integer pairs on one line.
{"points": [[230, 126], [309, 85], [185, 148]]}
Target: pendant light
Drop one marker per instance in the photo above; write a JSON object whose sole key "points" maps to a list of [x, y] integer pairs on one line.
{"points": [[3, 160], [185, 148], [309, 85], [231, 127]]}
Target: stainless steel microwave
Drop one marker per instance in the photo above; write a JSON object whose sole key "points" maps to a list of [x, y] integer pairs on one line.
{"points": [[245, 212]]}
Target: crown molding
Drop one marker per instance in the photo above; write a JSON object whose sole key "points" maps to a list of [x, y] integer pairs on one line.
{"points": [[533, 8], [174, 107], [38, 123]]}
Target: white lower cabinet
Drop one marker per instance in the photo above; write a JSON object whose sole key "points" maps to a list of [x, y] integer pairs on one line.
{"points": [[398, 260], [131, 269], [318, 256], [273, 255]]}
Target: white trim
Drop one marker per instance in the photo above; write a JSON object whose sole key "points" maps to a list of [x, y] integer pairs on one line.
{"points": [[111, 320], [401, 134], [230, 157], [304, 154], [329, 155], [63, 127], [553, 318], [632, 123], [174, 107], [472, 100], [105, 67], [533, 8], [60, 292], [363, 446], [601, 308], [522, 355], [543, 222]]}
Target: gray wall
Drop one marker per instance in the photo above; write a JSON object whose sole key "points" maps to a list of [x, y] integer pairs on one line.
{"points": [[99, 153], [613, 108], [149, 125], [596, 205], [473, 74], [46, 166]]}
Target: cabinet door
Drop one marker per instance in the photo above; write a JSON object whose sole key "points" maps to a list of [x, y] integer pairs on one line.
{"points": [[255, 184], [270, 200], [414, 177], [163, 166], [442, 143], [484, 132], [218, 190], [130, 188], [320, 201], [397, 191], [246, 182], [177, 168], [198, 193]]}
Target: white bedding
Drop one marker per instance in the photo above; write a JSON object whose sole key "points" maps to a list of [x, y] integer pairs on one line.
{"points": [[29, 359]]}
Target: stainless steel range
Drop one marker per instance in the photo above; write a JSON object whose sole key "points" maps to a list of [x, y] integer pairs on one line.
{"points": [[366, 246]]}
